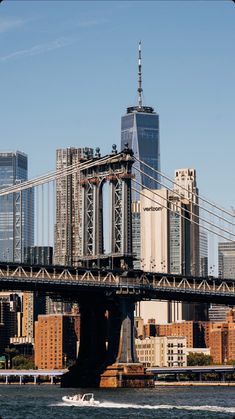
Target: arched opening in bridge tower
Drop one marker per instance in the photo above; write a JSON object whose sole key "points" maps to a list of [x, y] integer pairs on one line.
{"points": [[106, 219]]}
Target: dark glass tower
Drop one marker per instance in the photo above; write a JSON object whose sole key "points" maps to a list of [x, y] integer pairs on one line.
{"points": [[140, 130], [16, 210]]}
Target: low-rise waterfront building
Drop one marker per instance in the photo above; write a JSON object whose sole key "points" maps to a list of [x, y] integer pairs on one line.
{"points": [[165, 351]]}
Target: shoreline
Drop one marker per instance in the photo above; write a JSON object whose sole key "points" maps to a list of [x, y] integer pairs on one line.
{"points": [[16, 383], [194, 384], [156, 384]]}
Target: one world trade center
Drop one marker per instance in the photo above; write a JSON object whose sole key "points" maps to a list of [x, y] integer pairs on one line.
{"points": [[140, 130]]}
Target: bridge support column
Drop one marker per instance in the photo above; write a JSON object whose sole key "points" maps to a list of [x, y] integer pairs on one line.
{"points": [[92, 350], [115, 365], [125, 317], [125, 369]]}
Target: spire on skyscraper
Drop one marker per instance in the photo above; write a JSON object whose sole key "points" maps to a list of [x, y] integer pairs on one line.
{"points": [[140, 90], [139, 107]]}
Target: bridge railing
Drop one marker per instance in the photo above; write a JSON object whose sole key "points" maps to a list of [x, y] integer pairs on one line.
{"points": [[129, 281]]}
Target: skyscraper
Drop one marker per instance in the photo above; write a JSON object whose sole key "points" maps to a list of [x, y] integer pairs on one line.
{"points": [[140, 130], [16, 210], [68, 207], [203, 253], [170, 241], [184, 224], [226, 259]]}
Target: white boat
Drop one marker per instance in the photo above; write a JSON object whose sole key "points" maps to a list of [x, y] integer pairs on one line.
{"points": [[86, 399]]}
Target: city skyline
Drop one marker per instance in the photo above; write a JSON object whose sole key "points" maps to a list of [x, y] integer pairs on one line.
{"points": [[49, 85]]}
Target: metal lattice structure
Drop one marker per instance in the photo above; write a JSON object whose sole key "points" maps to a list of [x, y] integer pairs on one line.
{"points": [[138, 284], [17, 243], [115, 169]]}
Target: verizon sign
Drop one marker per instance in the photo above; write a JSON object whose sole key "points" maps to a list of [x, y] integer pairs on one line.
{"points": [[152, 208]]}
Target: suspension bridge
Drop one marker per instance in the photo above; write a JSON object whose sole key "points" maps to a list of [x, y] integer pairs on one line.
{"points": [[65, 210]]}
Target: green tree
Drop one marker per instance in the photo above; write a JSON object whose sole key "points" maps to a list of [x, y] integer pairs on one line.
{"points": [[194, 359], [20, 362]]}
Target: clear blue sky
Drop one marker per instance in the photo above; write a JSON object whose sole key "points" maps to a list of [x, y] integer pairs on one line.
{"points": [[68, 70]]}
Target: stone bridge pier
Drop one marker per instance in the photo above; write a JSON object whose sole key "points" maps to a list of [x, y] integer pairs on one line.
{"points": [[107, 355]]}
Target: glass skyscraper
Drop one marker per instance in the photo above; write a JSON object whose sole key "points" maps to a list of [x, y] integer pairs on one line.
{"points": [[140, 130], [226, 262], [16, 210]]}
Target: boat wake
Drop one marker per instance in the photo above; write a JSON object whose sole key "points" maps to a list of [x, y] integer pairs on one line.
{"points": [[112, 405]]}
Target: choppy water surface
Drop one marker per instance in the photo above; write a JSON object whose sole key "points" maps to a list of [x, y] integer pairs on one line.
{"points": [[28, 401]]}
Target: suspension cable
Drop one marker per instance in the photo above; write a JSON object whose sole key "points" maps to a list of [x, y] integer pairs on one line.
{"points": [[182, 187], [182, 216], [51, 176], [199, 206]]}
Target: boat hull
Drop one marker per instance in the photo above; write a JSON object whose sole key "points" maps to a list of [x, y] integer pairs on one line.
{"points": [[80, 403]]}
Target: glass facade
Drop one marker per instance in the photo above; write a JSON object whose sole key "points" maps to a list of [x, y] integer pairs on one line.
{"points": [[226, 261], [140, 130], [203, 253], [16, 210], [175, 240], [226, 258]]}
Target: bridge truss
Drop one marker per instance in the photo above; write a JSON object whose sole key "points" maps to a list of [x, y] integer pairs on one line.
{"points": [[140, 285]]}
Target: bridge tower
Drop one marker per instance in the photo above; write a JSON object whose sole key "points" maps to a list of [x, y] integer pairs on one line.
{"points": [[115, 169], [107, 355]]}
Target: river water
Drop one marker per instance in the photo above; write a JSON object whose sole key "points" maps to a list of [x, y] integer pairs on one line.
{"points": [[45, 402]]}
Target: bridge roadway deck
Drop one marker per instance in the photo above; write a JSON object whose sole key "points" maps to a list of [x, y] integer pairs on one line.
{"points": [[69, 281]]}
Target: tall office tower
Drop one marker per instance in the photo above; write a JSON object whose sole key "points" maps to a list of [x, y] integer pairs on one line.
{"points": [[203, 243], [226, 259], [184, 241], [140, 130], [226, 262], [16, 210], [170, 241], [187, 214], [68, 207]]}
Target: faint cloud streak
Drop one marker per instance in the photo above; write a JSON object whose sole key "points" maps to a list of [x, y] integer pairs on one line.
{"points": [[38, 49], [8, 24], [90, 22]]}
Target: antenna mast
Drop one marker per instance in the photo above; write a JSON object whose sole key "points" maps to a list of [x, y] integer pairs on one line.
{"points": [[140, 90]]}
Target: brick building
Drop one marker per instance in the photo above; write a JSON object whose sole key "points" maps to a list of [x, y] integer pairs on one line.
{"points": [[193, 331], [222, 340], [56, 337]]}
